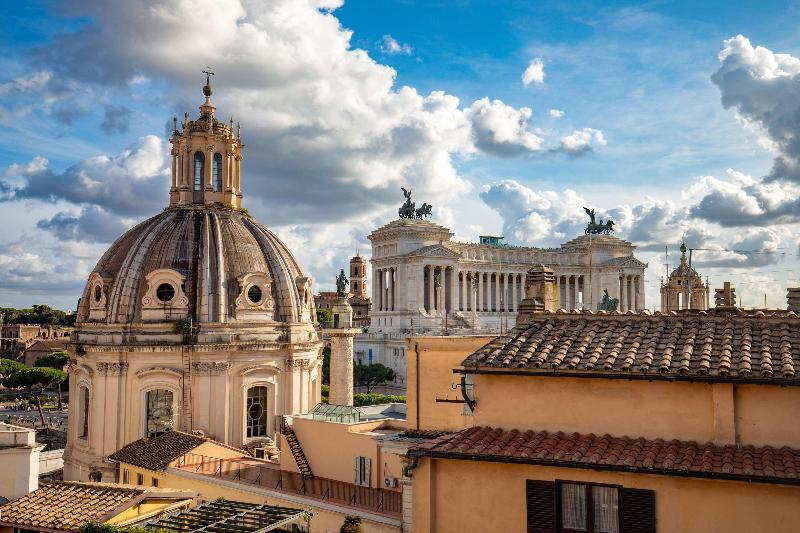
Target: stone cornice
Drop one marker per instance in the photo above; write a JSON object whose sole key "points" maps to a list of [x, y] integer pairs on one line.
{"points": [[211, 368], [113, 369], [198, 348]]}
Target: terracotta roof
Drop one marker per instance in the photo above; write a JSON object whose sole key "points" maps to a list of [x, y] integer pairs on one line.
{"points": [[67, 506], [158, 452], [682, 458], [719, 346]]}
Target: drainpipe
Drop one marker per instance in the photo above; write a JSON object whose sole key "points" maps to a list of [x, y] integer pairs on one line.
{"points": [[416, 362]]}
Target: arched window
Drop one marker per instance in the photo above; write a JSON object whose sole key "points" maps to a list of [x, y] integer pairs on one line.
{"points": [[256, 412], [199, 167], [83, 412], [355, 285], [217, 171], [159, 412]]}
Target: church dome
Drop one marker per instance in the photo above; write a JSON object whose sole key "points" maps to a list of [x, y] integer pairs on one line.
{"points": [[203, 260]]}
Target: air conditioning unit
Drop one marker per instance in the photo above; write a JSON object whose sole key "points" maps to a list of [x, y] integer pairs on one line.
{"points": [[390, 482], [260, 453]]}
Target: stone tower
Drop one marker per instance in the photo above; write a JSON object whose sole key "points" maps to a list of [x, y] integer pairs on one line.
{"points": [[341, 335], [358, 276], [684, 288]]}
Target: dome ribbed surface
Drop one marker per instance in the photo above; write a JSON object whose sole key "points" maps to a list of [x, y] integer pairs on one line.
{"points": [[212, 247]]}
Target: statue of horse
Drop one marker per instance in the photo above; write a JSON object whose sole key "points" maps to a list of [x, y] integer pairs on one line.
{"points": [[424, 211]]}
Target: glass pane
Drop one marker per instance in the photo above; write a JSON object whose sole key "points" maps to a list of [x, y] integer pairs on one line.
{"points": [[573, 506], [159, 412], [217, 172], [256, 412], [199, 159], [605, 501]]}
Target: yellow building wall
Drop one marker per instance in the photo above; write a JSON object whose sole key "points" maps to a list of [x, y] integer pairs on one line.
{"points": [[438, 356], [331, 449], [722, 413], [481, 496], [323, 521]]}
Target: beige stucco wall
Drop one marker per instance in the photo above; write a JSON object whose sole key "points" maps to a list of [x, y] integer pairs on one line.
{"points": [[722, 413], [331, 449], [438, 356], [481, 496]]}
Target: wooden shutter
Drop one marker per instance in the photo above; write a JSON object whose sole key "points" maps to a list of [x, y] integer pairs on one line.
{"points": [[638, 511], [358, 470], [367, 472], [541, 502]]}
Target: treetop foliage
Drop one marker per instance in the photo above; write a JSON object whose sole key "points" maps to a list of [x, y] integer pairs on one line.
{"points": [[38, 314]]}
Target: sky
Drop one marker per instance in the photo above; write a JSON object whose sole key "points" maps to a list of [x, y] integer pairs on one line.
{"points": [[678, 120]]}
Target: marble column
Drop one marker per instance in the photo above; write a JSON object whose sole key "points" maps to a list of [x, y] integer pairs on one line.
{"points": [[480, 291], [622, 301], [391, 289], [513, 293], [462, 278], [575, 293], [567, 295], [559, 303]]}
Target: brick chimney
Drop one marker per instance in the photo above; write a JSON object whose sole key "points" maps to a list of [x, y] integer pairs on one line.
{"points": [[540, 292], [793, 299], [725, 297]]}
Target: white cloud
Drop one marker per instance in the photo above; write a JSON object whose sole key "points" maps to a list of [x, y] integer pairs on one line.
{"points": [[390, 45], [763, 88], [534, 73], [582, 141], [501, 129], [555, 113]]}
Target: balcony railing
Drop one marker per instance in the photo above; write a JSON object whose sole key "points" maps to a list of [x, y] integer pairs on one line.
{"points": [[256, 473]]}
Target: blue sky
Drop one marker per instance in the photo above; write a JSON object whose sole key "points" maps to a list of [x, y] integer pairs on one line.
{"points": [[343, 104]]}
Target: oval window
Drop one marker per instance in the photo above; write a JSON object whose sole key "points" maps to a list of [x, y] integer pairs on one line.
{"points": [[254, 294], [98, 293], [165, 292]]}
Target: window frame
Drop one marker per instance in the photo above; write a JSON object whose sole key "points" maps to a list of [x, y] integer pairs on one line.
{"points": [[199, 157], [140, 479], [171, 404], [589, 508], [216, 172], [84, 397], [248, 428], [126, 476]]}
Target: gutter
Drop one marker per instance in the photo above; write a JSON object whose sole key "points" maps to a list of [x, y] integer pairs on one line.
{"points": [[630, 376], [601, 467]]}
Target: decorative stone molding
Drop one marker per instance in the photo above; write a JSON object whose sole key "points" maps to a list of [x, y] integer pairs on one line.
{"points": [[304, 284], [292, 364], [113, 369], [153, 307], [71, 364], [261, 308], [159, 370], [211, 368], [98, 296], [271, 367]]}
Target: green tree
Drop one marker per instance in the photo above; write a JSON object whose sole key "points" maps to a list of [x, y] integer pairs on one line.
{"points": [[370, 376], [324, 316], [9, 366], [54, 360], [326, 365], [352, 524], [37, 376], [100, 527]]}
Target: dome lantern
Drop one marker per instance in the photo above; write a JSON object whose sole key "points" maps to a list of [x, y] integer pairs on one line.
{"points": [[206, 158]]}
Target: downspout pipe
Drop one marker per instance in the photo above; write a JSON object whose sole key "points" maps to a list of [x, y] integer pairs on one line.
{"points": [[416, 379]]}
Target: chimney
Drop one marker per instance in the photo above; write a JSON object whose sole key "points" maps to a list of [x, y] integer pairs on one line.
{"points": [[793, 299], [725, 297], [540, 292]]}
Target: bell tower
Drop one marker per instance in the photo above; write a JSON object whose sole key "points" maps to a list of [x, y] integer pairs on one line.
{"points": [[206, 158], [358, 276]]}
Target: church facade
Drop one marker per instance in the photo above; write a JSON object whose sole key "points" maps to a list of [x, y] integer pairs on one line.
{"points": [[198, 319], [425, 283]]}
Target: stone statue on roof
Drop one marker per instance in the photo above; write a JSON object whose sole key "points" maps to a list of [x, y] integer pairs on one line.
{"points": [[608, 303], [341, 283], [595, 228]]}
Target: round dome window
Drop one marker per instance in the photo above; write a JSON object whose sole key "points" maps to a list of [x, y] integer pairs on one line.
{"points": [[165, 292], [98, 293], [254, 294]]}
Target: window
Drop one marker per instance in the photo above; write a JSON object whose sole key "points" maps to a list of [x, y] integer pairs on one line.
{"points": [[199, 165], [568, 506], [155, 481], [98, 293], [159, 412], [256, 412], [83, 398], [165, 292], [355, 285], [140, 479], [254, 294], [217, 172], [363, 466], [126, 476]]}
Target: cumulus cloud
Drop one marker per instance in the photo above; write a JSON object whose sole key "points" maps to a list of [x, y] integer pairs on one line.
{"points": [[390, 45], [763, 88], [555, 113], [133, 182], [534, 73], [581, 142], [90, 224], [116, 119], [501, 129], [318, 116], [549, 218]]}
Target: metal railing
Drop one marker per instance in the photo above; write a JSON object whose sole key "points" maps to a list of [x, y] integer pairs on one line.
{"points": [[256, 473]]}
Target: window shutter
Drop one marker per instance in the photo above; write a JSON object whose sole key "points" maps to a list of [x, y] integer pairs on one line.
{"points": [[541, 503], [367, 472], [358, 470], [638, 511]]}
